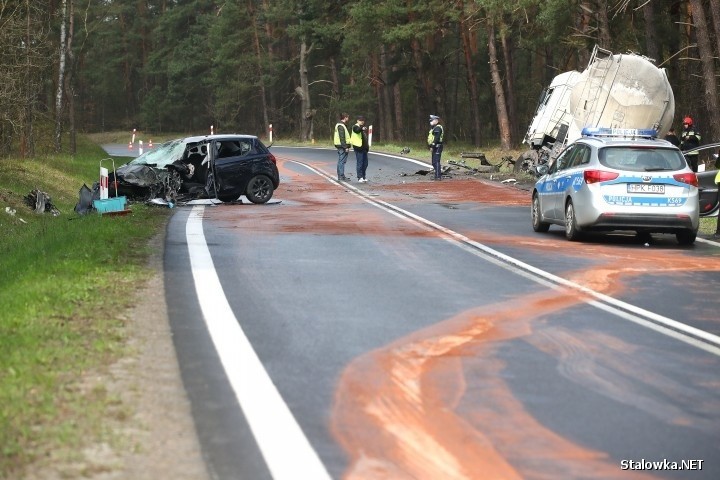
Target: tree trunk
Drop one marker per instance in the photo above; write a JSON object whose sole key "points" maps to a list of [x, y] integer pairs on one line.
{"points": [[335, 79], [126, 32], [26, 117], [508, 47], [708, 65], [604, 38], [61, 78], [388, 130], [69, 86], [377, 87], [500, 104], [397, 102], [583, 32], [270, 49], [651, 47], [469, 45], [715, 12], [303, 91], [260, 73]]}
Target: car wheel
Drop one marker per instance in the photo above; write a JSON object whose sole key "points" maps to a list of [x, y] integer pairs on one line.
{"points": [[686, 237], [259, 189], [537, 223], [525, 162], [572, 231]]}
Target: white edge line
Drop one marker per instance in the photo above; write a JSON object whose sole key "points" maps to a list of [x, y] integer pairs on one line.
{"points": [[667, 326], [287, 452]]}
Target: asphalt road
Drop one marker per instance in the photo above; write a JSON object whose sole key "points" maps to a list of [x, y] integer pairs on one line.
{"points": [[410, 329]]}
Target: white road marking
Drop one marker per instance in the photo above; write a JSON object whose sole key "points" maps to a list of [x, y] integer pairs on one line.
{"points": [[287, 452], [667, 326]]}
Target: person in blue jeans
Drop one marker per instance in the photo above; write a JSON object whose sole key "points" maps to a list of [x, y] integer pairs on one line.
{"points": [[359, 141], [341, 139]]}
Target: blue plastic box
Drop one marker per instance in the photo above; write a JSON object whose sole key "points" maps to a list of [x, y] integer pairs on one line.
{"points": [[116, 204]]}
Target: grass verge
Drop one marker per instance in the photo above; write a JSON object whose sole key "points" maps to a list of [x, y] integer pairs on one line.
{"points": [[66, 280]]}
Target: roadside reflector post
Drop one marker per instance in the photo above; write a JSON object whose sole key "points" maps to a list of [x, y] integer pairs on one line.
{"points": [[103, 183], [132, 140], [211, 130], [140, 147], [370, 136], [150, 143], [270, 133]]}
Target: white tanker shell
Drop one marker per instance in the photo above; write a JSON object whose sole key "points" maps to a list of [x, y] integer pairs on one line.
{"points": [[634, 94]]}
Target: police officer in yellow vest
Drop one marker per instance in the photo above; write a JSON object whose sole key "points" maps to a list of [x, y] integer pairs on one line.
{"points": [[435, 144], [361, 145], [341, 141]]}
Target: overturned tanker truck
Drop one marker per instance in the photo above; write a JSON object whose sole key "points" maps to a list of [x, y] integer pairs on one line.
{"points": [[614, 91]]}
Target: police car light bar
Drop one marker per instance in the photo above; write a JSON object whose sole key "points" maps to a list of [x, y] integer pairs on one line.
{"points": [[619, 132]]}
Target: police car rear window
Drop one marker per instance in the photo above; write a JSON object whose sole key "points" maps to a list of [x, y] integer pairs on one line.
{"points": [[636, 159]]}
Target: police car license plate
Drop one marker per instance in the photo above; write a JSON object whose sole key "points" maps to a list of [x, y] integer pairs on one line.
{"points": [[645, 188]]}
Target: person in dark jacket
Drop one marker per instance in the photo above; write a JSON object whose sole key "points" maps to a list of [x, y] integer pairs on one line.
{"points": [[435, 140], [341, 138], [672, 137], [359, 141], [690, 138]]}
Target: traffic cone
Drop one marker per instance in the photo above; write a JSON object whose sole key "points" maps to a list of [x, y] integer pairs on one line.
{"points": [[130, 146], [150, 143]]}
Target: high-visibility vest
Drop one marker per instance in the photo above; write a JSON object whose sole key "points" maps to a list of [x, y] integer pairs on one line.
{"points": [[687, 144], [431, 135], [717, 177], [337, 134], [356, 138]]}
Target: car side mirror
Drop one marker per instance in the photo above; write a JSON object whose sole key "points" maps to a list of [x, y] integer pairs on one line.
{"points": [[540, 170]]}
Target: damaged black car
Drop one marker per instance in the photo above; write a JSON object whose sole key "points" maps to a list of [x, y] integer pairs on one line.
{"points": [[211, 166]]}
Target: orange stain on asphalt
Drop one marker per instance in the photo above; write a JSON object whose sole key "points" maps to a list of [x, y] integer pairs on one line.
{"points": [[434, 404]]}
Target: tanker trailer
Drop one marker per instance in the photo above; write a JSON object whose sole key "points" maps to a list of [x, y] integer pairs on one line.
{"points": [[614, 91]]}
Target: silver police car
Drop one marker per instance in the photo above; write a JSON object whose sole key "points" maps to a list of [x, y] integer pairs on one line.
{"points": [[618, 179]]}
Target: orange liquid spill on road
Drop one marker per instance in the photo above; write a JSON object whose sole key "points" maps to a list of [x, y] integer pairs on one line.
{"points": [[410, 411]]}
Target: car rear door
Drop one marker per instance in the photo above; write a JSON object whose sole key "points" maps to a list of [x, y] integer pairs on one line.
{"points": [[708, 193]]}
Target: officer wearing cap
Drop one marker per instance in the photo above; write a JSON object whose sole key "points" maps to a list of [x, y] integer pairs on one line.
{"points": [[435, 144], [359, 141], [690, 138]]}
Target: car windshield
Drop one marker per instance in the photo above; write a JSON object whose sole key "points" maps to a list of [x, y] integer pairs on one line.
{"points": [[163, 155], [639, 159]]}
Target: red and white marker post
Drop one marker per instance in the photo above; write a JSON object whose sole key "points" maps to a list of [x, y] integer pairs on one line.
{"points": [[103, 183]]}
